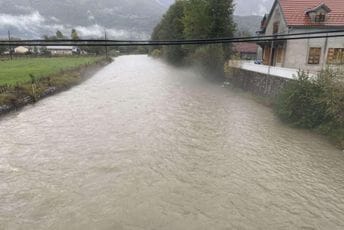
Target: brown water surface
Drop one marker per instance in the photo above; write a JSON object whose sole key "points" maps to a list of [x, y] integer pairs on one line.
{"points": [[143, 145]]}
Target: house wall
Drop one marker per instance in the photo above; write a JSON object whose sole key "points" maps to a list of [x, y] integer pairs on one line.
{"points": [[61, 52], [297, 51], [277, 17]]}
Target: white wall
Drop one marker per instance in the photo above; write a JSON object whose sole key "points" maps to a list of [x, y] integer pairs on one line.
{"points": [[297, 51]]}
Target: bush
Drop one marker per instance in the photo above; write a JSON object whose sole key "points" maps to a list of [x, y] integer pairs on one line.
{"points": [[210, 58], [155, 53], [315, 103], [174, 54]]}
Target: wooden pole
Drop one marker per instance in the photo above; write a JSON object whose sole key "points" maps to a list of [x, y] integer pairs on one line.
{"points": [[106, 47], [9, 45]]}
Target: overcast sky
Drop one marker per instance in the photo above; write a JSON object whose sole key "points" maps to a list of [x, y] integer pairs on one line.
{"points": [[253, 7], [32, 18]]}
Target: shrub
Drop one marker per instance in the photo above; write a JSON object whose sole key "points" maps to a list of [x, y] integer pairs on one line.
{"points": [[210, 58], [315, 103], [155, 53]]}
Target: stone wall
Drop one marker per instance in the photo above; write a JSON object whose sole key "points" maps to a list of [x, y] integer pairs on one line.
{"points": [[258, 83]]}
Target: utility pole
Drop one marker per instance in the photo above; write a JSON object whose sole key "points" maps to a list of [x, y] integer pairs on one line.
{"points": [[271, 57], [9, 44], [106, 48]]}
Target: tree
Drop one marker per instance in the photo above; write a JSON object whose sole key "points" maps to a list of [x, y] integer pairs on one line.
{"points": [[74, 35], [171, 27], [59, 35], [222, 23], [221, 16], [197, 19], [46, 37], [3, 49], [209, 19], [35, 50]]}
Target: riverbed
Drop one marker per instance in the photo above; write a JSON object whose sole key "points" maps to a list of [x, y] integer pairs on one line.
{"points": [[144, 145]]}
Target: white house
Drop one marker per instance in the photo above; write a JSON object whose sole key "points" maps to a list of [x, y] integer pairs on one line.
{"points": [[298, 16], [63, 50]]}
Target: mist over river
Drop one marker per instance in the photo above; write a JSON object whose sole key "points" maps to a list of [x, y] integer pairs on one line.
{"points": [[144, 145]]}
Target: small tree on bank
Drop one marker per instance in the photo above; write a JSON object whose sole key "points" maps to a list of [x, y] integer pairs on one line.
{"points": [[315, 103], [74, 35], [171, 28], [59, 35]]}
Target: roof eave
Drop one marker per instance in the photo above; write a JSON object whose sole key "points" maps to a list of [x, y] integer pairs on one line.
{"points": [[322, 5], [271, 11], [317, 26]]}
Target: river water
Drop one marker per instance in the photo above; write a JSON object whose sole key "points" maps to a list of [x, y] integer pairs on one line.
{"points": [[143, 145]]}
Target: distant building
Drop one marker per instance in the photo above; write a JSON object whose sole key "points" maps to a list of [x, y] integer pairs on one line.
{"points": [[298, 16], [63, 50], [22, 50], [246, 51]]}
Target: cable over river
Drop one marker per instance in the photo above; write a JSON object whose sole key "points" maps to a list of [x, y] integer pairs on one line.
{"points": [[143, 145]]}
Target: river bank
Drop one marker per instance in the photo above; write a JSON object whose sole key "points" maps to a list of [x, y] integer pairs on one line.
{"points": [[305, 102], [14, 97]]}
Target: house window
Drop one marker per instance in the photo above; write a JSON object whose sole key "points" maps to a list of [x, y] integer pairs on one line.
{"points": [[314, 56], [335, 56], [320, 17], [279, 57], [275, 28]]}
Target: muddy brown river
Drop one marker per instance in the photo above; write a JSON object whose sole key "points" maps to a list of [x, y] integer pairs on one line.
{"points": [[143, 145]]}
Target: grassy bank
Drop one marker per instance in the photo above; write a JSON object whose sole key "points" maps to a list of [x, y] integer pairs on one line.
{"points": [[18, 70], [24, 81], [316, 104]]}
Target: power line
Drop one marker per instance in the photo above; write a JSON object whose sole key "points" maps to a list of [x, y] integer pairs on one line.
{"points": [[196, 40], [106, 43]]}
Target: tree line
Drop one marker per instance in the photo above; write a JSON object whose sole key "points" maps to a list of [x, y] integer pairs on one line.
{"points": [[59, 36], [196, 19]]}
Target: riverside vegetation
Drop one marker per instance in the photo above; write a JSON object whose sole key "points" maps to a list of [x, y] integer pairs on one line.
{"points": [[196, 19], [307, 103], [315, 103], [24, 81]]}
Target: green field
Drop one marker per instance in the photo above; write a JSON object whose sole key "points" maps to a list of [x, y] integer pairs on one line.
{"points": [[18, 70]]}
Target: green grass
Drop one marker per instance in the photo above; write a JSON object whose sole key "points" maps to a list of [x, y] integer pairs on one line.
{"points": [[18, 70]]}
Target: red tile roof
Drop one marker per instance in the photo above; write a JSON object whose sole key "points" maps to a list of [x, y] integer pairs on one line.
{"points": [[245, 47], [294, 12]]}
